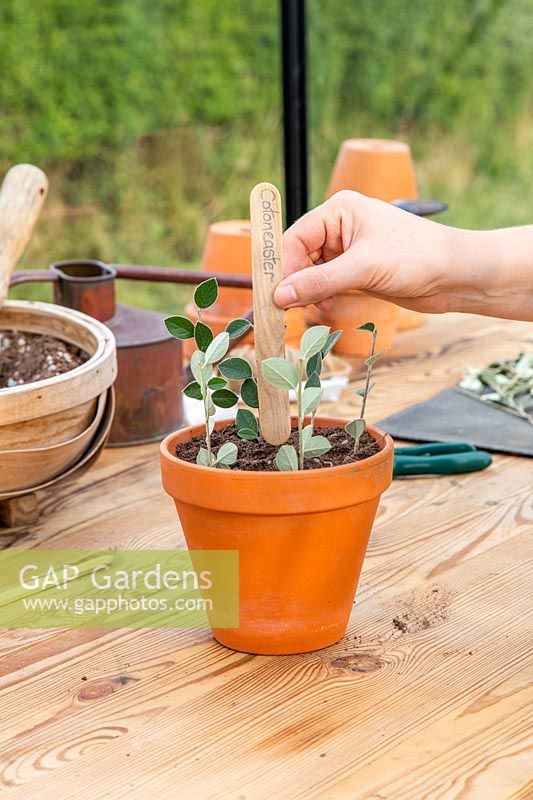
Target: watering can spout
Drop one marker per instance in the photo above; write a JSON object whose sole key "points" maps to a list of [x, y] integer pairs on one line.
{"points": [[87, 286]]}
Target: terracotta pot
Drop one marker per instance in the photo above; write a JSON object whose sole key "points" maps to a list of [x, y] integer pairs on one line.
{"points": [[409, 320], [379, 168], [301, 538], [228, 248], [217, 320], [351, 309]]}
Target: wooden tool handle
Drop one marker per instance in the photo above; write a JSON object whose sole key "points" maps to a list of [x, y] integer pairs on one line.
{"points": [[269, 320], [21, 198]]}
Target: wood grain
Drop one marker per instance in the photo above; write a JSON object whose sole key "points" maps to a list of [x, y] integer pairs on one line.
{"points": [[440, 712], [269, 320], [22, 195]]}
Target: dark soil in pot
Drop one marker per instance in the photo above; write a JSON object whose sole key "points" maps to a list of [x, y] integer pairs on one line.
{"points": [[255, 456], [28, 357]]}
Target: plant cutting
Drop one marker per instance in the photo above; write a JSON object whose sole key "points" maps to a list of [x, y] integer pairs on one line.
{"points": [[357, 427], [209, 388], [305, 380], [505, 384], [291, 495]]}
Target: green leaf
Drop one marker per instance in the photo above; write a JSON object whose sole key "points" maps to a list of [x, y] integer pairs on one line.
{"points": [[313, 381], [246, 419], [203, 457], [237, 327], [307, 433], [313, 340], [217, 349], [280, 373], [355, 428], [361, 392], [235, 368], [368, 326], [314, 364], [197, 361], [286, 459], [249, 393], [247, 433], [206, 293], [227, 454], [179, 327], [217, 383], [223, 398], [331, 342], [210, 425], [371, 360], [203, 336], [194, 390], [211, 410], [316, 446], [310, 400]]}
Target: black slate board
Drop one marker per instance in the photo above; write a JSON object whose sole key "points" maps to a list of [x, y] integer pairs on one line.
{"points": [[452, 417]]}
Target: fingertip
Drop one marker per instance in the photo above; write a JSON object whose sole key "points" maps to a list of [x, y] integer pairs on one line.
{"points": [[285, 295]]}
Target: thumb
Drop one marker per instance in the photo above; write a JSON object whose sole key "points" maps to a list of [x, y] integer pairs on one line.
{"points": [[319, 282]]}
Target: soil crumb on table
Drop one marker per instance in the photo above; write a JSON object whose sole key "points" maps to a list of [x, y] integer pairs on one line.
{"points": [[29, 357], [421, 611], [255, 456]]}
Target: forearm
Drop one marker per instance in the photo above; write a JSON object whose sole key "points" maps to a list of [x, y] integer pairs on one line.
{"points": [[491, 272], [353, 242]]}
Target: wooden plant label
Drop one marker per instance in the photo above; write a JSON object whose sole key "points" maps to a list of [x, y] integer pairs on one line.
{"points": [[269, 320]]}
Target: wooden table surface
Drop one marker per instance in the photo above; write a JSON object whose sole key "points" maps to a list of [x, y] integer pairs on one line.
{"points": [[438, 711]]}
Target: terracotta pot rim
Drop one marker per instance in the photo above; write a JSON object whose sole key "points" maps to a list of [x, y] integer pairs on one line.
{"points": [[378, 145], [231, 226], [168, 446]]}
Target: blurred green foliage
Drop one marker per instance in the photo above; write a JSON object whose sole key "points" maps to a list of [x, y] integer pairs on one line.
{"points": [[155, 118]]}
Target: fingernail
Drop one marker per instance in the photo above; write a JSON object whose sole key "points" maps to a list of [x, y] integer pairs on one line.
{"points": [[285, 294]]}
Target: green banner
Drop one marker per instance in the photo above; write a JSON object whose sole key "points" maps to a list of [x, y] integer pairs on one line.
{"points": [[119, 588]]}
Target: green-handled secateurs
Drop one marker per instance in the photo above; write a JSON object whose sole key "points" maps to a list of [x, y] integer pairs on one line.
{"points": [[439, 459]]}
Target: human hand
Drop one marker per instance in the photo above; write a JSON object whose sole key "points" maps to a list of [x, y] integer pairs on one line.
{"points": [[356, 242]]}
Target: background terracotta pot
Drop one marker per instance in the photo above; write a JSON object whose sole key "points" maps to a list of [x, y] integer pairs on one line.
{"points": [[351, 309], [408, 320], [228, 248], [381, 168], [301, 538]]}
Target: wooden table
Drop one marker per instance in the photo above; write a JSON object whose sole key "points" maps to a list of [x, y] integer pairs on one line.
{"points": [[438, 711]]}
